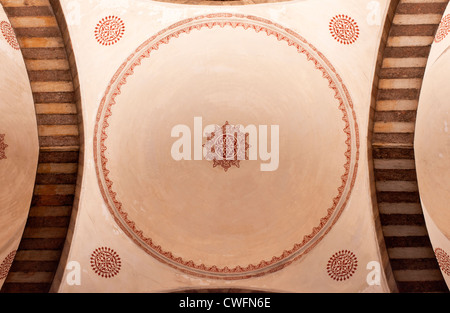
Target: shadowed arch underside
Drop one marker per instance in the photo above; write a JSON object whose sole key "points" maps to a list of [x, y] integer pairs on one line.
{"points": [[51, 69], [399, 81]]}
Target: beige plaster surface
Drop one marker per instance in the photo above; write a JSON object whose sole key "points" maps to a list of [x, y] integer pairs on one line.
{"points": [[223, 75], [432, 142], [18, 124], [432, 146]]}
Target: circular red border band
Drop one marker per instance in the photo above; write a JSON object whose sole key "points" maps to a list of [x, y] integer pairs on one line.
{"points": [[281, 33]]}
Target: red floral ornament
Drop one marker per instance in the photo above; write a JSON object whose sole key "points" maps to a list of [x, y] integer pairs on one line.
{"points": [[227, 146], [443, 259], [9, 35], [342, 265], [109, 30], [105, 262], [344, 29], [443, 29], [6, 264]]}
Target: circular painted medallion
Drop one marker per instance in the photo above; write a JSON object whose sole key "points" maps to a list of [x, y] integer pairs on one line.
{"points": [[443, 29], [109, 30], [105, 262], [342, 265], [443, 260], [9, 35], [6, 264], [344, 29]]}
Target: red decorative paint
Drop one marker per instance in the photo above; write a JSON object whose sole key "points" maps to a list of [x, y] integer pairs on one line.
{"points": [[443, 29], [342, 265], [105, 262], [109, 30], [9, 35], [443, 259], [344, 29], [6, 264], [227, 146], [3, 146], [305, 49]]}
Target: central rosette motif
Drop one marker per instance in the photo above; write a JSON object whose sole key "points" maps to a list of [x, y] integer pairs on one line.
{"points": [[226, 146]]}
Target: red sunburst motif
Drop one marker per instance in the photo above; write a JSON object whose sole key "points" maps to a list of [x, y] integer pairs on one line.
{"points": [[10, 36], [3, 146], [443, 259], [105, 262], [342, 265], [344, 29], [443, 29], [227, 146], [109, 30], [6, 264]]}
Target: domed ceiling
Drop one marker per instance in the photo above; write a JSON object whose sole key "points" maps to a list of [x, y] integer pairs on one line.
{"points": [[223, 147], [432, 145], [242, 70]]}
